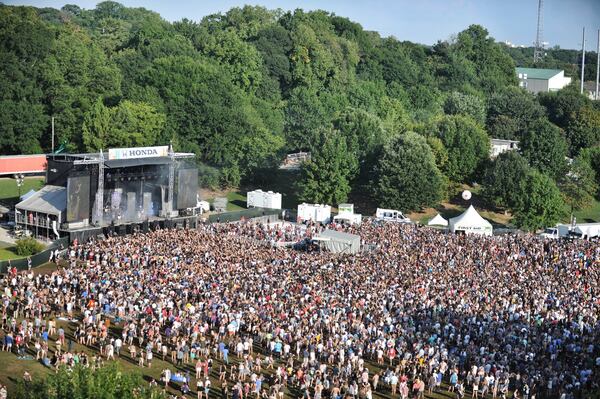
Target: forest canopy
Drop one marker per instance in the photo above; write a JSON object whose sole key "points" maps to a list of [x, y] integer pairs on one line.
{"points": [[241, 89]]}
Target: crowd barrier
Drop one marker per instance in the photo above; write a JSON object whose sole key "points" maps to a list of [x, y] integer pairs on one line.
{"points": [[268, 215], [37, 259]]}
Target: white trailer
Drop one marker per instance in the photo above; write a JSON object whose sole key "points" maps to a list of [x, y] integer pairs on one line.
{"points": [[391, 215], [346, 214], [581, 230], [315, 212], [587, 230], [558, 231], [262, 199]]}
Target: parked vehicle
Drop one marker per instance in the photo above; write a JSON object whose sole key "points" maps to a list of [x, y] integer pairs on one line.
{"points": [[391, 215]]}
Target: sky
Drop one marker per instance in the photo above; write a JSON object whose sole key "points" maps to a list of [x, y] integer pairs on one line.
{"points": [[421, 21]]}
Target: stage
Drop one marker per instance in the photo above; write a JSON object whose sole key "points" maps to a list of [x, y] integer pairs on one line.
{"points": [[119, 192]]}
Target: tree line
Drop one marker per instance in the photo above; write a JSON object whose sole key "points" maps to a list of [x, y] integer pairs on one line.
{"points": [[402, 122]]}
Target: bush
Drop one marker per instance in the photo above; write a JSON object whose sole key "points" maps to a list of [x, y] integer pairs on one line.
{"points": [[209, 177], [28, 246]]}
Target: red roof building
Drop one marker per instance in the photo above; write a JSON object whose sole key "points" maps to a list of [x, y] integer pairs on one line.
{"points": [[25, 164]]}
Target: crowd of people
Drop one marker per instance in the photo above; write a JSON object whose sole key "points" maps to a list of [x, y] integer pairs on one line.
{"points": [[422, 311]]}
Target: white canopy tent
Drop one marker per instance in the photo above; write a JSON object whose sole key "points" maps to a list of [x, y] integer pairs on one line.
{"points": [[339, 242], [438, 220], [470, 222]]}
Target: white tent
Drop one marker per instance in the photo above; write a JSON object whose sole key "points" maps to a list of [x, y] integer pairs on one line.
{"points": [[339, 242], [27, 195], [438, 220], [470, 222]]}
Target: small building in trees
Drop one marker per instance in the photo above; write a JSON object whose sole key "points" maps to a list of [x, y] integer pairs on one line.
{"points": [[498, 146], [537, 80]]}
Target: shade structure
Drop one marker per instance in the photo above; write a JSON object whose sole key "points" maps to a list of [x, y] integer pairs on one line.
{"points": [[470, 222], [339, 242], [27, 195], [438, 220], [51, 200]]}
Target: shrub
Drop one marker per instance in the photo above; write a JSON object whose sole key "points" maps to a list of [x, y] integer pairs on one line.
{"points": [[28, 246]]}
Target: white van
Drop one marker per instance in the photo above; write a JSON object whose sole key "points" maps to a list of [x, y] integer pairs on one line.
{"points": [[391, 215]]}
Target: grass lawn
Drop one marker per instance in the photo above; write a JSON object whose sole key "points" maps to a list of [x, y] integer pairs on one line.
{"points": [[9, 190], [236, 200], [6, 253], [588, 215], [456, 205]]}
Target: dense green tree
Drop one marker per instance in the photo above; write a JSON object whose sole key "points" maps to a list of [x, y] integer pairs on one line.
{"points": [[304, 115], [326, 177], [475, 59], [541, 203], [511, 112], [545, 147], [212, 116], [591, 156], [274, 44], [97, 125], [407, 176], [466, 142], [560, 105], [25, 42], [364, 136], [458, 103], [107, 382], [583, 129], [440, 153], [127, 125], [504, 179], [578, 186], [239, 88]]}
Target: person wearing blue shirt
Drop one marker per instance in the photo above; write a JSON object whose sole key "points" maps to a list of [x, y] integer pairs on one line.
{"points": [[225, 355], [453, 381], [278, 347]]}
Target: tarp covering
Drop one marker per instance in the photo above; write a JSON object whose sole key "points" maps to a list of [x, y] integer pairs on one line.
{"points": [[49, 200], [27, 195], [438, 220], [470, 222], [339, 242]]}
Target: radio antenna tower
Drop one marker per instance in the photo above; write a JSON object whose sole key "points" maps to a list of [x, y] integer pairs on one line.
{"points": [[538, 52]]}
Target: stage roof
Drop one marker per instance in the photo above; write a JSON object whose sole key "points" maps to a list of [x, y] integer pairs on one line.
{"points": [[126, 163], [122, 163], [49, 199]]}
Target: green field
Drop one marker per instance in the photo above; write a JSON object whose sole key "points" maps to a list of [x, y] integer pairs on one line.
{"points": [[589, 215], [236, 201], [6, 253], [9, 191]]}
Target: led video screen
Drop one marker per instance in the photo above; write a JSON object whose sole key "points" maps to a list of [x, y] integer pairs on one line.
{"points": [[78, 198], [187, 188]]}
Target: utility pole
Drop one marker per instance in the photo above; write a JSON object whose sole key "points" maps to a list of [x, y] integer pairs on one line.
{"points": [[582, 59], [597, 95], [52, 134], [538, 52]]}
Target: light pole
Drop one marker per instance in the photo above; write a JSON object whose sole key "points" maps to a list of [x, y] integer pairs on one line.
{"points": [[19, 178]]}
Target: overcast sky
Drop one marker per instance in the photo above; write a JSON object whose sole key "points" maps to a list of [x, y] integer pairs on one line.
{"points": [[422, 21]]}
